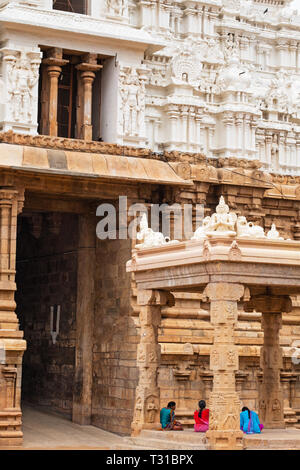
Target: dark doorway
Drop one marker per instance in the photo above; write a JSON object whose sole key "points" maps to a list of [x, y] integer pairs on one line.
{"points": [[75, 6], [46, 298]]}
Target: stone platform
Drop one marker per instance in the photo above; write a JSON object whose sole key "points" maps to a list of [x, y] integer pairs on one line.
{"points": [[274, 439], [269, 439], [46, 430], [170, 440]]}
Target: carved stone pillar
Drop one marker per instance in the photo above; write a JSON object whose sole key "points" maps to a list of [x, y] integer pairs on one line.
{"points": [[271, 403], [87, 73], [147, 404], [54, 63], [271, 396], [11, 343], [224, 404], [207, 379]]}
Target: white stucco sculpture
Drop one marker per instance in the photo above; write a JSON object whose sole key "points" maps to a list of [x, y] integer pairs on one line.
{"points": [[149, 237], [227, 224]]}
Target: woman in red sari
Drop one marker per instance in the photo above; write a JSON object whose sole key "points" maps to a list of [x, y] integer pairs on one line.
{"points": [[201, 417]]}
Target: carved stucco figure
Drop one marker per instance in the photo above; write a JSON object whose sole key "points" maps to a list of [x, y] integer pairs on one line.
{"points": [[132, 93], [226, 223], [117, 7], [23, 76], [149, 237]]}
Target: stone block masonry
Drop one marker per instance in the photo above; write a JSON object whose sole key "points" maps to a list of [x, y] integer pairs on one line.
{"points": [[115, 374]]}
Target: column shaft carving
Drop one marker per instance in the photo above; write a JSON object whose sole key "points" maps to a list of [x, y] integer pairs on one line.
{"points": [[147, 404], [54, 63], [87, 73], [271, 406], [224, 428], [11, 343]]}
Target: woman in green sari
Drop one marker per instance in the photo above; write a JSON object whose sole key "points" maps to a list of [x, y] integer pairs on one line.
{"points": [[167, 418]]}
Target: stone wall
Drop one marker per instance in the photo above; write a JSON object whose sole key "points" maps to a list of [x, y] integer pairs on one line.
{"points": [[115, 339], [47, 276]]}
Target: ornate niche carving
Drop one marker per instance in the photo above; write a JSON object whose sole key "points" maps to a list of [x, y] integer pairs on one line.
{"points": [[222, 312], [138, 409], [21, 76], [186, 66], [235, 253], [262, 410], [152, 406], [276, 410]]}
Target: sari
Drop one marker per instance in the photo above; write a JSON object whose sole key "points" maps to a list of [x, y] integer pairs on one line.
{"points": [[167, 418], [250, 425], [201, 424]]}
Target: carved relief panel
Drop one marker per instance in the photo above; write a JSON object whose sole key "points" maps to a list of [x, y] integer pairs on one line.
{"points": [[131, 124], [224, 358], [20, 75]]}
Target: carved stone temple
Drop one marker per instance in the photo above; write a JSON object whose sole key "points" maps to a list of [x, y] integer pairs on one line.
{"points": [[169, 102]]}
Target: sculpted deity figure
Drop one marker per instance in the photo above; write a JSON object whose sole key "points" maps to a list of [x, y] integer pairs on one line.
{"points": [[275, 153], [133, 101], [117, 7], [276, 409], [281, 93], [231, 48], [226, 223], [223, 220], [273, 234], [151, 410], [23, 75]]}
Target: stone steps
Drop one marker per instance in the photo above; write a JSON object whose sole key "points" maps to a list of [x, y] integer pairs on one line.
{"points": [[169, 440]]}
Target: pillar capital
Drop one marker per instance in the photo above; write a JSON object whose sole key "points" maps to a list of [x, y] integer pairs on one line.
{"points": [[87, 72], [223, 291], [154, 297], [269, 304]]}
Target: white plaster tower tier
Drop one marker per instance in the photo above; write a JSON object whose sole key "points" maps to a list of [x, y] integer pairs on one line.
{"points": [[201, 77]]}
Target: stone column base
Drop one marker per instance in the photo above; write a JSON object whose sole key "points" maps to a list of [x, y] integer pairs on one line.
{"points": [[10, 428], [225, 440]]}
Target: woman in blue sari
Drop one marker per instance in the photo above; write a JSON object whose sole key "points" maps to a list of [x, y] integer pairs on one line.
{"points": [[249, 422]]}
